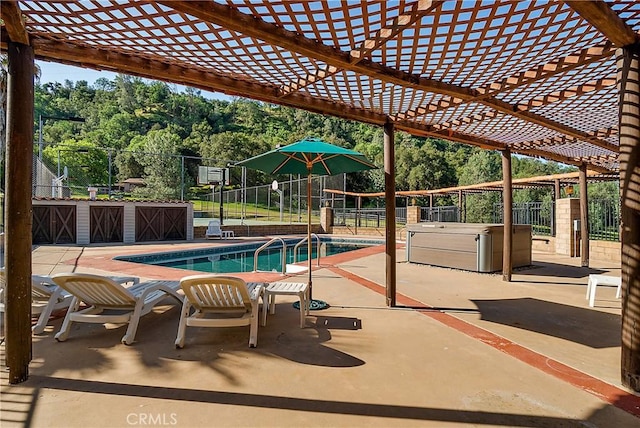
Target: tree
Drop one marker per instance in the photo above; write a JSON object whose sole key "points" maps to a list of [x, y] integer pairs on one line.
{"points": [[231, 147], [162, 168], [482, 166], [88, 165], [420, 166]]}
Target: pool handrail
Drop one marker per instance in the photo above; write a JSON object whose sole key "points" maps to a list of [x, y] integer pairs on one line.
{"points": [[295, 248], [265, 245]]}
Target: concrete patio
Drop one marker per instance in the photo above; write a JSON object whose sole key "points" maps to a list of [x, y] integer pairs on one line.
{"points": [[462, 349]]}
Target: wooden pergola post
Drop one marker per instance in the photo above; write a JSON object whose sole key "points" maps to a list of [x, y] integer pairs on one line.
{"points": [[584, 217], [464, 207], [507, 214], [390, 212], [18, 210], [629, 87], [431, 207]]}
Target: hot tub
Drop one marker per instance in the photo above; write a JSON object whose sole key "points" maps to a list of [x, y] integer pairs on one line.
{"points": [[468, 246]]}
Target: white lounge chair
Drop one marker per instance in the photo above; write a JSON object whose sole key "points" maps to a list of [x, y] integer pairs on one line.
{"points": [[101, 293], [230, 301], [47, 297], [213, 230]]}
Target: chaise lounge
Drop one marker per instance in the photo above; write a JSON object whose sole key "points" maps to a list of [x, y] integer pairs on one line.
{"points": [[101, 293]]}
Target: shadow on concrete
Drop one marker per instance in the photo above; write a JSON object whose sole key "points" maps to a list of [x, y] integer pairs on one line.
{"points": [[539, 268], [306, 346], [302, 404], [585, 326]]}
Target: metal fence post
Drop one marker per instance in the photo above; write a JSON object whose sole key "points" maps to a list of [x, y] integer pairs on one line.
{"points": [[181, 177], [109, 153]]}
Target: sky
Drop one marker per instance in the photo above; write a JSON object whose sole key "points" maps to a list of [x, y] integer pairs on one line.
{"points": [[55, 72]]}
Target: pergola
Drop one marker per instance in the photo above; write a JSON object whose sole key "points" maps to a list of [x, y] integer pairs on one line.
{"points": [[555, 181], [556, 80]]}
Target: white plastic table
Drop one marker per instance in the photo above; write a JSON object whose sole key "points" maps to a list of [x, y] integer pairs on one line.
{"points": [[300, 289], [595, 280]]}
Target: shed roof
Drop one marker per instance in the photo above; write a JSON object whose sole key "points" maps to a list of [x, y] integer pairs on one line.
{"points": [[536, 77]]}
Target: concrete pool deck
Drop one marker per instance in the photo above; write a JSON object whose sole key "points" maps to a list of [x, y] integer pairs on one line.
{"points": [[461, 349]]}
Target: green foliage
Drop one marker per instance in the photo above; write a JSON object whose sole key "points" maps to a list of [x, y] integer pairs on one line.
{"points": [[87, 164], [420, 165], [482, 166], [162, 168]]}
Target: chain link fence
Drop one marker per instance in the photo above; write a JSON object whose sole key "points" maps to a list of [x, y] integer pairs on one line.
{"points": [[286, 204], [82, 172]]}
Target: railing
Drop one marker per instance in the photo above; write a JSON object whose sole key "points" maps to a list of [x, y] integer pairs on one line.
{"points": [[303, 240], [367, 217], [284, 254], [604, 220], [537, 214], [448, 213]]}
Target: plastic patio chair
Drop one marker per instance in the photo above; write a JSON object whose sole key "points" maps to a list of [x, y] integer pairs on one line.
{"points": [[101, 294], [47, 297], [219, 301], [213, 230]]}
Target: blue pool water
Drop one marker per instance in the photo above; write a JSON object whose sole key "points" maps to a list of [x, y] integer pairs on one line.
{"points": [[240, 258]]}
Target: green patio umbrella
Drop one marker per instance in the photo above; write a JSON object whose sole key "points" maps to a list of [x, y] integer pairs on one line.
{"points": [[309, 156]]}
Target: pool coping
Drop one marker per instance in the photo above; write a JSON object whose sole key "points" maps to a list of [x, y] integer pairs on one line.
{"points": [[108, 261]]}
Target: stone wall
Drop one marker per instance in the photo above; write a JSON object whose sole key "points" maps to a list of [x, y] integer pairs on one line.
{"points": [[605, 250], [545, 244], [262, 230], [379, 232]]}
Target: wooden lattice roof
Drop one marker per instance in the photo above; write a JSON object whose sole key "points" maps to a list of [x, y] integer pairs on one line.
{"points": [[538, 77]]}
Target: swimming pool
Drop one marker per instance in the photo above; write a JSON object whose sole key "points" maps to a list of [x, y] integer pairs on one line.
{"points": [[240, 258]]}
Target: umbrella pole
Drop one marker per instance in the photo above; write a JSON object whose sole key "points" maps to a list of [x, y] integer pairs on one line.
{"points": [[309, 246], [313, 304]]}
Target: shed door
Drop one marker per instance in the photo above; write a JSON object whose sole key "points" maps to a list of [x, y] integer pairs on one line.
{"points": [[54, 224], [106, 224], [161, 223]]}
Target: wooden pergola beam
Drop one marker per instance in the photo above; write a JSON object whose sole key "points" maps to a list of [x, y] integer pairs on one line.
{"points": [[231, 19], [399, 23], [561, 65], [605, 20], [13, 22], [99, 59], [539, 181], [551, 124], [574, 91], [557, 66]]}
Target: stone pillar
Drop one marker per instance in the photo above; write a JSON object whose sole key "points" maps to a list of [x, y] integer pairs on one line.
{"points": [[567, 210], [413, 214], [326, 219]]}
